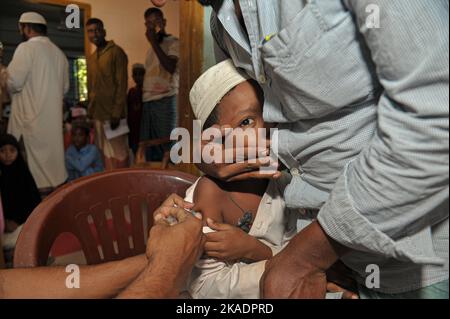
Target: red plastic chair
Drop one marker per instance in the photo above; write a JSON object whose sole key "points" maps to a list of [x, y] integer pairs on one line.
{"points": [[83, 208]]}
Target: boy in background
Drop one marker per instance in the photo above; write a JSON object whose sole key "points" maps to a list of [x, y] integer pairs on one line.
{"points": [[82, 159]]}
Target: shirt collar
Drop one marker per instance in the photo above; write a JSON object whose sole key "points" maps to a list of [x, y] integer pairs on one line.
{"points": [[227, 16], [38, 38], [265, 21], [109, 45]]}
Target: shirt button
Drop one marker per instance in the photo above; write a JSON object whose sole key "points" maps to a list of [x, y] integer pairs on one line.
{"points": [[262, 79], [295, 172]]}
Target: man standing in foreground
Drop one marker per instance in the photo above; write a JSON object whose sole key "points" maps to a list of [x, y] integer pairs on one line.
{"points": [[108, 84], [38, 78]]}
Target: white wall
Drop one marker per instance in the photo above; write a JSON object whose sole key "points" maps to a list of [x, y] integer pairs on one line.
{"points": [[124, 23]]}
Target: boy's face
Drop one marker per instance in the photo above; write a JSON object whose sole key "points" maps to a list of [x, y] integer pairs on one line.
{"points": [[242, 108], [138, 76], [79, 138], [8, 154]]}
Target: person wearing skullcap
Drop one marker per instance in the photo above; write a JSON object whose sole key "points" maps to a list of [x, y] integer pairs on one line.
{"points": [[37, 79], [246, 222], [135, 106]]}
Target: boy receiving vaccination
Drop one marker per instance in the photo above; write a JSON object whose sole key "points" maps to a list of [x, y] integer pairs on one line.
{"points": [[82, 159], [248, 221]]}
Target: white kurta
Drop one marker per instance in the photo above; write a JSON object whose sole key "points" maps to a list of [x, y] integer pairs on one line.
{"points": [[38, 78]]}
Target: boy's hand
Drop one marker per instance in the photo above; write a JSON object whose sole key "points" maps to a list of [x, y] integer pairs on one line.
{"points": [[231, 243]]}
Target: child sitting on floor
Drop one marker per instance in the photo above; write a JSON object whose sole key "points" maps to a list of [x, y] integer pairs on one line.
{"points": [[19, 193], [82, 159]]}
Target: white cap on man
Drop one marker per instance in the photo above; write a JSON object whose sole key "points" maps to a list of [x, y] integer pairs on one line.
{"points": [[32, 17]]}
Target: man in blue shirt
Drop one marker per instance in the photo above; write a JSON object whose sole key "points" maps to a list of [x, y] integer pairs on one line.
{"points": [[82, 159]]}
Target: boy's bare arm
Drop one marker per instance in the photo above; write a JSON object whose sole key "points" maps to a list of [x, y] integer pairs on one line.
{"points": [[229, 243], [96, 282], [208, 199]]}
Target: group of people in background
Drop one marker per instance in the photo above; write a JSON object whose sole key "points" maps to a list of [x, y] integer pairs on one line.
{"points": [[34, 159]]}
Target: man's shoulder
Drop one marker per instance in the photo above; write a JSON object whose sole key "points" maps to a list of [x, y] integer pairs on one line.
{"points": [[25, 48], [117, 48]]}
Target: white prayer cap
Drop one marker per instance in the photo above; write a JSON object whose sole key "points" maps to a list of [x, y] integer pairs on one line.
{"points": [[32, 17], [212, 86]]}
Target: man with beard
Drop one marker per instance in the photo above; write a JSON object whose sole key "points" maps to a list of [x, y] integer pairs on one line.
{"points": [[38, 78]]}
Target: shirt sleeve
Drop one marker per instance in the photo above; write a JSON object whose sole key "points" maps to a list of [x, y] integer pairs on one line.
{"points": [[19, 68], [121, 81], [391, 191], [174, 49], [212, 279]]}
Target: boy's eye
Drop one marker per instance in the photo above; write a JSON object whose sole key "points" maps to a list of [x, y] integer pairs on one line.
{"points": [[247, 122]]}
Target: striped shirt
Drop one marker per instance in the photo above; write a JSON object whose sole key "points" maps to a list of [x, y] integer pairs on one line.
{"points": [[363, 122]]}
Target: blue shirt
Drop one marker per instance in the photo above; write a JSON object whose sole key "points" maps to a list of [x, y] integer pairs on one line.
{"points": [[363, 122], [84, 162]]}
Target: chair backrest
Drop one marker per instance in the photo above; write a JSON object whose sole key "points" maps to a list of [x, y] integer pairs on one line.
{"points": [[110, 214]]}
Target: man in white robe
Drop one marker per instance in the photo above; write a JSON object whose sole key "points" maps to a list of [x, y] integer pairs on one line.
{"points": [[38, 78]]}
